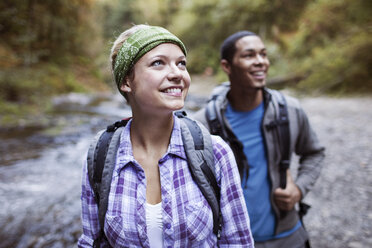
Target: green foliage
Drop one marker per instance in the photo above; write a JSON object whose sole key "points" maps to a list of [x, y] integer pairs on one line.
{"points": [[55, 46], [41, 43], [41, 31], [117, 15], [325, 21], [343, 68], [32, 87], [207, 23], [333, 47]]}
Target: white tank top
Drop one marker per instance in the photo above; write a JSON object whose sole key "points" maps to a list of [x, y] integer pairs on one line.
{"points": [[154, 223]]}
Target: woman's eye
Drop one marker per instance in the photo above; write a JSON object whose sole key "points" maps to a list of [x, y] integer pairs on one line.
{"points": [[156, 63], [182, 63]]}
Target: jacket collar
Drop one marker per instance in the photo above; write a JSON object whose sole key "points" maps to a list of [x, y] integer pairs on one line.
{"points": [[220, 94]]}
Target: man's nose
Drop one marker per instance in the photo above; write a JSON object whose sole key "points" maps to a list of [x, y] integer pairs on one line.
{"points": [[259, 59]]}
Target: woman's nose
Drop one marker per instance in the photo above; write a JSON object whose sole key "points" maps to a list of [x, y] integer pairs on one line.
{"points": [[174, 74]]}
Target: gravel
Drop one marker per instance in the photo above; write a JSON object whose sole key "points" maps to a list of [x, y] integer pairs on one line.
{"points": [[341, 213]]}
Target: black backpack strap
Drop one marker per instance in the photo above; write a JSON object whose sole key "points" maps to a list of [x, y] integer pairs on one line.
{"points": [[101, 163], [281, 124], [199, 151], [284, 134]]}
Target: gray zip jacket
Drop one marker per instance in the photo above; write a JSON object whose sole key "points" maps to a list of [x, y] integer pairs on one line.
{"points": [[303, 142]]}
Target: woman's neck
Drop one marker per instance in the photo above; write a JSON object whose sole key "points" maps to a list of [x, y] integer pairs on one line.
{"points": [[149, 132], [150, 137]]}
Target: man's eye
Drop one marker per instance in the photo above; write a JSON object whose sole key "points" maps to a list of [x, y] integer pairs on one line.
{"points": [[248, 55]]}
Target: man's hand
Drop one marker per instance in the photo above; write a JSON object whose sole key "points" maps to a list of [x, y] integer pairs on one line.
{"points": [[286, 198]]}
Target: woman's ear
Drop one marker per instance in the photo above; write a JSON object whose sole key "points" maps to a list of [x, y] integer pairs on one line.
{"points": [[126, 85]]}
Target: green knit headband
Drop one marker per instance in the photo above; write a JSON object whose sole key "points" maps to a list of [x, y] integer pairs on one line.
{"points": [[137, 45]]}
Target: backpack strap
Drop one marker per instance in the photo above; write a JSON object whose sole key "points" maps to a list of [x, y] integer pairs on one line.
{"points": [[213, 114], [215, 122], [282, 125], [213, 118], [101, 163], [199, 151]]}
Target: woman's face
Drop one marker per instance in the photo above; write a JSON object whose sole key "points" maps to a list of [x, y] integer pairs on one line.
{"points": [[160, 81]]}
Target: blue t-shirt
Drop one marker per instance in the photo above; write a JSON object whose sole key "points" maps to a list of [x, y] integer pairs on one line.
{"points": [[247, 128]]}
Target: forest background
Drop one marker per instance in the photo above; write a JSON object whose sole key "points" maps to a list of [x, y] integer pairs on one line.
{"points": [[51, 47]]}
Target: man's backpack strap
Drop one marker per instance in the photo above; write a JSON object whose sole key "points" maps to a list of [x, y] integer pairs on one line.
{"points": [[213, 114], [199, 151], [215, 122], [101, 163], [282, 125], [213, 118]]}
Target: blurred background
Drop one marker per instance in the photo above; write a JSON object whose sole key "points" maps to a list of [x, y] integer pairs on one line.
{"points": [[56, 92]]}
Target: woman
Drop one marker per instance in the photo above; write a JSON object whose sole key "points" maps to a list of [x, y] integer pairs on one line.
{"points": [[153, 200]]}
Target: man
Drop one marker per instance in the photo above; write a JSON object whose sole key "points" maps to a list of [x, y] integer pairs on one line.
{"points": [[246, 114]]}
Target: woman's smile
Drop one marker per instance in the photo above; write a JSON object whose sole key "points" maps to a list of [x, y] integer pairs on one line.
{"points": [[173, 91]]}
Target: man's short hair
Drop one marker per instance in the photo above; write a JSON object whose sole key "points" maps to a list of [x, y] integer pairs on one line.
{"points": [[228, 48]]}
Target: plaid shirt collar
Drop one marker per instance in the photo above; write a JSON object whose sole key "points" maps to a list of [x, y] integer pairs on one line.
{"points": [[125, 153]]}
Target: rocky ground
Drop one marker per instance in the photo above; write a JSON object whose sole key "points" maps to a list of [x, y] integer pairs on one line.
{"points": [[341, 213]]}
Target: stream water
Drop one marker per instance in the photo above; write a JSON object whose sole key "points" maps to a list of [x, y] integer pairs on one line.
{"points": [[40, 171]]}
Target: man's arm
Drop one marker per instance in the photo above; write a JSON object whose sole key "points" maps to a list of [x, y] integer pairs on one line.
{"points": [[311, 154]]}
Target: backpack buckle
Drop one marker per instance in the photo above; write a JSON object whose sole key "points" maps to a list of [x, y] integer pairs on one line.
{"points": [[284, 165], [116, 125], [180, 114]]}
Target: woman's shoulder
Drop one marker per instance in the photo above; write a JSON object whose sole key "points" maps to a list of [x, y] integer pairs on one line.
{"points": [[220, 148]]}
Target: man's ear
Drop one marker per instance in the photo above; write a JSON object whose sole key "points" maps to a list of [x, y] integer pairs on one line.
{"points": [[126, 85], [225, 66]]}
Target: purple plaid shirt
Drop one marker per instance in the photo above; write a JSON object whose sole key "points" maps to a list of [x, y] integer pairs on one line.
{"points": [[187, 217]]}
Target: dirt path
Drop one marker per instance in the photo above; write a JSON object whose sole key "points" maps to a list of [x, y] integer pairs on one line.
{"points": [[341, 213]]}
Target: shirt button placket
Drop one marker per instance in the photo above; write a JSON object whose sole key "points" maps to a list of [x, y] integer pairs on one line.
{"points": [[141, 212], [167, 204]]}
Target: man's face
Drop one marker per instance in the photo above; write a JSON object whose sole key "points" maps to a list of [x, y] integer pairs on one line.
{"points": [[249, 65]]}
